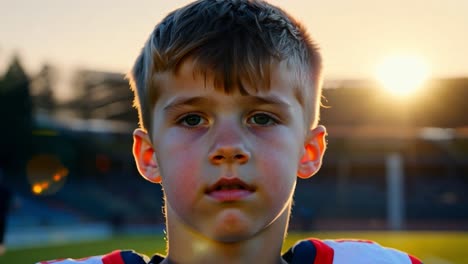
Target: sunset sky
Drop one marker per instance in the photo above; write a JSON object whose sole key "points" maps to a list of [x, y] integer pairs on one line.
{"points": [[354, 36]]}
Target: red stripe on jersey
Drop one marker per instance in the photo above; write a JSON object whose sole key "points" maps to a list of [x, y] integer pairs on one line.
{"points": [[414, 260], [113, 258], [324, 252]]}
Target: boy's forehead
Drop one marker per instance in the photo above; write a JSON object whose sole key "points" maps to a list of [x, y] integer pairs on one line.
{"points": [[188, 73]]}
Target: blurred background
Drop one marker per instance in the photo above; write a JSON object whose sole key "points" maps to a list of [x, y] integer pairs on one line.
{"points": [[395, 105]]}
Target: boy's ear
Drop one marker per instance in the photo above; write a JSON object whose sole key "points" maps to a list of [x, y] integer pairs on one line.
{"points": [[314, 149], [145, 157]]}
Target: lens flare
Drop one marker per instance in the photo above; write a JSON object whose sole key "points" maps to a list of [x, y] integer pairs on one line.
{"points": [[46, 174], [37, 189]]}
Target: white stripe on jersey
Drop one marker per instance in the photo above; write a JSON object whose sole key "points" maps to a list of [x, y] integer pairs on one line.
{"points": [[358, 252], [90, 260]]}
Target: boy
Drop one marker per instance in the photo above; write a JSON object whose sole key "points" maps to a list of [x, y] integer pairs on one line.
{"points": [[228, 98]]}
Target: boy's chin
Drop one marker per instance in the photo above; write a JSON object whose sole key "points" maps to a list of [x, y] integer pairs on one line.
{"points": [[232, 226], [232, 237], [232, 240]]}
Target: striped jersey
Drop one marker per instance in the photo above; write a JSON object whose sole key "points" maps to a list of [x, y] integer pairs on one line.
{"points": [[310, 251]]}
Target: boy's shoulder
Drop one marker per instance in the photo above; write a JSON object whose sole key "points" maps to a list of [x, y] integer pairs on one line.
{"points": [[341, 251], [310, 250], [115, 257]]}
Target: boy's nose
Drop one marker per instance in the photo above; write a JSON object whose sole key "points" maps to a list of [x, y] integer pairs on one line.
{"points": [[228, 146], [229, 154]]}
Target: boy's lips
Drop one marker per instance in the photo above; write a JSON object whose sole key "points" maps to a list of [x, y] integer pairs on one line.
{"points": [[229, 190]]}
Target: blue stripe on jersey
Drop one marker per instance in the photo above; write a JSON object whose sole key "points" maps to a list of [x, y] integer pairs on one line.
{"points": [[302, 252], [131, 257]]}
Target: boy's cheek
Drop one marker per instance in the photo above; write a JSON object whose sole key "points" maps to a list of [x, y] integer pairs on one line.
{"points": [[175, 138], [279, 178], [278, 170], [180, 181], [180, 168]]}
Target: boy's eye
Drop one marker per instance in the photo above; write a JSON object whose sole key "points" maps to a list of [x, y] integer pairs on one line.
{"points": [[192, 120], [262, 120]]}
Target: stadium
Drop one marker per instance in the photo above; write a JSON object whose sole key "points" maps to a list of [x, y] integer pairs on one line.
{"points": [[395, 169], [394, 105]]}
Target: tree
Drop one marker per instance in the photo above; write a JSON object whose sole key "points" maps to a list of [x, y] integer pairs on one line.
{"points": [[42, 90], [16, 113]]}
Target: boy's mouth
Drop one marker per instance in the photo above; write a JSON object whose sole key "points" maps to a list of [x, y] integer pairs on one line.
{"points": [[229, 190]]}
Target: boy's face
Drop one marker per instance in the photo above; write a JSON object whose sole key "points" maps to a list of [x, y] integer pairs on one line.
{"points": [[227, 163]]}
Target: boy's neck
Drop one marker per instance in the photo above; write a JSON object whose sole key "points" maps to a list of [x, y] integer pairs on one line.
{"points": [[186, 247]]}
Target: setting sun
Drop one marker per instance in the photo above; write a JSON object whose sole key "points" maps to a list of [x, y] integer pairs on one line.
{"points": [[402, 74]]}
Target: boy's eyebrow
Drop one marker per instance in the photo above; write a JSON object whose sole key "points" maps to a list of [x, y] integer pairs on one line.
{"points": [[251, 100], [198, 100], [268, 100]]}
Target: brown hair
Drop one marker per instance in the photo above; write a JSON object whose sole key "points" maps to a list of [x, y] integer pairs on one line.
{"points": [[234, 41]]}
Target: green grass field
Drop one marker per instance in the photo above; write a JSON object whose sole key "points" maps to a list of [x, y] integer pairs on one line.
{"points": [[431, 247]]}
